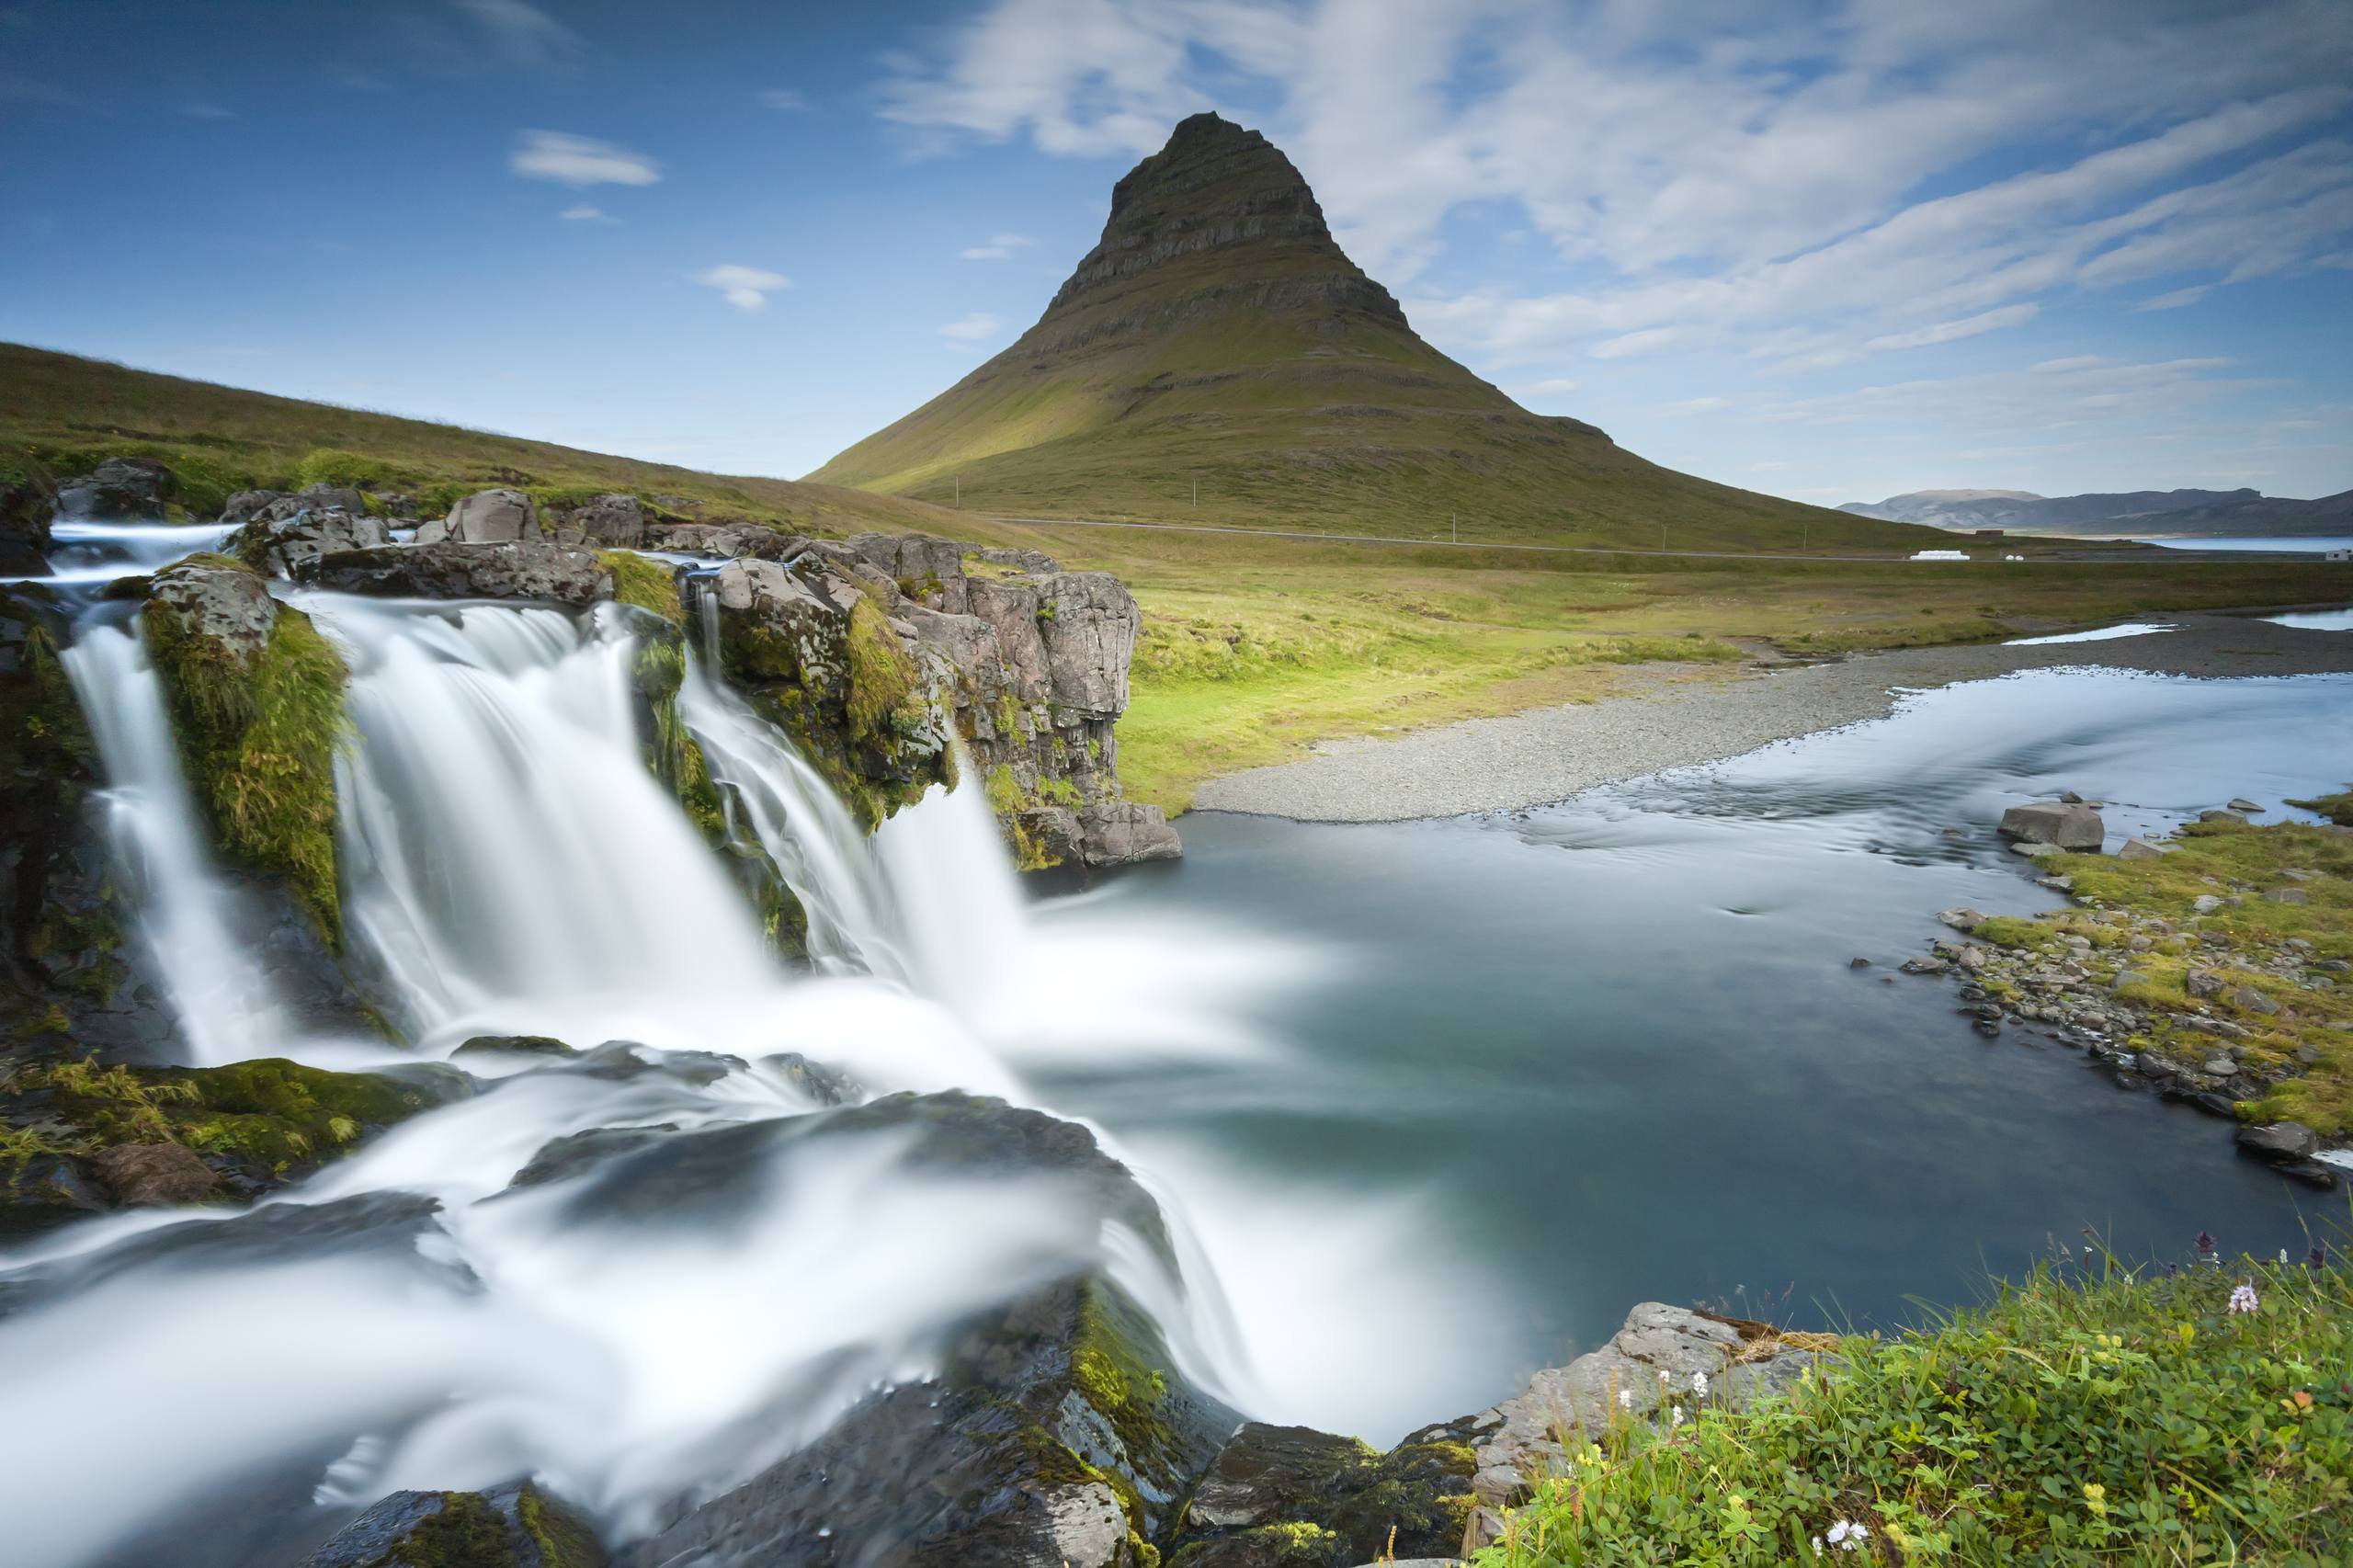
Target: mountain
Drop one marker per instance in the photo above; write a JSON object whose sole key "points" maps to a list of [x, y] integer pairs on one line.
{"points": [[1217, 337], [2149, 512], [68, 412]]}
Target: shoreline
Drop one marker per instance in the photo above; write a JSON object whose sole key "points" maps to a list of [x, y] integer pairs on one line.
{"points": [[1550, 754]]}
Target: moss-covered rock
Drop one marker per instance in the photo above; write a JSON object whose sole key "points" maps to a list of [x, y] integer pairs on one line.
{"points": [[517, 1526], [255, 694], [255, 1124], [1290, 1497]]}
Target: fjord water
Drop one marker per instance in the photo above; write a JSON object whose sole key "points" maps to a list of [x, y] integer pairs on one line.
{"points": [[1426, 1105]]}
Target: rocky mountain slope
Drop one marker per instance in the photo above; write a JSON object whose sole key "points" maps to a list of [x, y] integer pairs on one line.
{"points": [[2154, 512], [1217, 343]]}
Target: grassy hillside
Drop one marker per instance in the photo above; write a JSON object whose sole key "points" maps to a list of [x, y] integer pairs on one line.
{"points": [[66, 412], [1218, 358]]}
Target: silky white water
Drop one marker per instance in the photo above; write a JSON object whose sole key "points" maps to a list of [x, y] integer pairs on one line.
{"points": [[645, 1332]]}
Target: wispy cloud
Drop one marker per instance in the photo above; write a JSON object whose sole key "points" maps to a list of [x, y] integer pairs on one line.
{"points": [[583, 214], [1953, 331], [999, 248], [1693, 405], [524, 34], [972, 328], [580, 161], [787, 100], [1551, 386], [2175, 299], [745, 287]]}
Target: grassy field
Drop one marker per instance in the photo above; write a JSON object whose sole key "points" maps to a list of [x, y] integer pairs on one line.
{"points": [[2199, 1413], [1255, 648]]}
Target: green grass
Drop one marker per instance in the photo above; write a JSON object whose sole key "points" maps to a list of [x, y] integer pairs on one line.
{"points": [[2123, 1418], [63, 414]]}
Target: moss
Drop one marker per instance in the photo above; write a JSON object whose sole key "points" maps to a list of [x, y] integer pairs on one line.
{"points": [[648, 585], [2336, 808], [882, 680], [332, 465], [258, 743], [1116, 1374], [467, 1533], [273, 1115], [562, 1540]]}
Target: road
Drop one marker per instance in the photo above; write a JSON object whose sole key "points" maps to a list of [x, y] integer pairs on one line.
{"points": [[2147, 555]]}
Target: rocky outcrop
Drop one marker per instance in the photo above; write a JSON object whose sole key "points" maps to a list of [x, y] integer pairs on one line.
{"points": [[117, 490], [1292, 1497], [1663, 1360], [527, 569], [1058, 1433], [487, 516], [516, 1525], [287, 534], [27, 505], [614, 521]]}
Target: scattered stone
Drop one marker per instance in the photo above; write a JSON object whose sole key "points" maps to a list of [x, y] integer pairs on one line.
{"points": [[2069, 798], [1859, 963], [2217, 813], [159, 1176], [2280, 1141], [2288, 895], [2203, 984], [2247, 999], [2140, 850], [1962, 919], [2205, 903], [615, 521], [2125, 977], [1925, 965], [2241, 803], [2056, 822], [491, 516]]}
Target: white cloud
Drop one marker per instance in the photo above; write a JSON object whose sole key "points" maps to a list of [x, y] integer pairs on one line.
{"points": [[1551, 386], [583, 214], [745, 287], [580, 161], [2175, 299], [972, 328], [1953, 331], [785, 101], [525, 35], [1693, 405], [999, 248]]}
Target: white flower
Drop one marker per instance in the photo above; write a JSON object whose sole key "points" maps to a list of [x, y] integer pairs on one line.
{"points": [[1625, 1399], [1817, 1546], [2242, 1299], [1700, 1384], [2283, 1257], [1847, 1536], [1663, 1376]]}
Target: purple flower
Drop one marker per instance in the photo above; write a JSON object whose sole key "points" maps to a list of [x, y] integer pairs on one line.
{"points": [[2317, 1259], [2205, 1244], [2242, 1299]]}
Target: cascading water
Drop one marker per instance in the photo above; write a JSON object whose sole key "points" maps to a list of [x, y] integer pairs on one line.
{"points": [[86, 552], [636, 1338]]}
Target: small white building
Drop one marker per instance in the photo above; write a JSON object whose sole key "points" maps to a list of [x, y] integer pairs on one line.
{"points": [[1940, 555], [2338, 555]]}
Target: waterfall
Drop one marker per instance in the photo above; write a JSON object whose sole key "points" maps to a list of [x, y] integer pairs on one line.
{"points": [[190, 915], [83, 552], [511, 864]]}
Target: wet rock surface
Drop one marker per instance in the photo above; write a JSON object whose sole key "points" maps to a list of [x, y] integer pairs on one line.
{"points": [[527, 569], [516, 1525]]}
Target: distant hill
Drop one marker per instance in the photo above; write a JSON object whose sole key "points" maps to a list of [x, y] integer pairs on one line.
{"points": [[65, 412], [1218, 339], [2152, 512]]}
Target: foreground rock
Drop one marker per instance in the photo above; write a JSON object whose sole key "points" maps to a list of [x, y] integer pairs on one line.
{"points": [[515, 1526], [117, 490], [1672, 1358], [1290, 1497]]}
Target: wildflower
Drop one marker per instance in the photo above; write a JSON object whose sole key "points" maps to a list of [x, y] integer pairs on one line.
{"points": [[1817, 1546], [2172, 1269], [2283, 1257], [1700, 1384], [2317, 1259], [2204, 1243], [1674, 1415], [1625, 1399], [1847, 1536], [2242, 1299], [2096, 1498], [1663, 1376]]}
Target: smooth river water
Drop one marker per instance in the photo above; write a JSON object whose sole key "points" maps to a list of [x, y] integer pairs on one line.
{"points": [[1612, 1049]]}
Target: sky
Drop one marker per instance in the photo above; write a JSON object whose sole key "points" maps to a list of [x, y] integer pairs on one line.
{"points": [[1833, 251]]}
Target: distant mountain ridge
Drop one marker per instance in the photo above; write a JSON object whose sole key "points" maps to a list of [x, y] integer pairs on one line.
{"points": [[1217, 358], [2153, 512]]}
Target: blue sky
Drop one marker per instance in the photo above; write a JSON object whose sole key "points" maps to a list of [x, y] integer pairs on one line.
{"points": [[1832, 251]]}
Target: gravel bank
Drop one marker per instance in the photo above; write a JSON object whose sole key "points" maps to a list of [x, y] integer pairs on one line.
{"points": [[1531, 758]]}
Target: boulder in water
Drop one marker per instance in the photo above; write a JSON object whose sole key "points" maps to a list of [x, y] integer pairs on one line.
{"points": [[155, 1174], [1126, 833], [2055, 823], [245, 505], [285, 536]]}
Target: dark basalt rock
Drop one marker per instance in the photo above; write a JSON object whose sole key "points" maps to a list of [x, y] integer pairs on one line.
{"points": [[523, 569], [516, 1525], [120, 489], [1290, 1497]]}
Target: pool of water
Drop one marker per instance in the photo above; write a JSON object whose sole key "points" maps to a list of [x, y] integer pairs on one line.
{"points": [[2098, 634], [1612, 1049], [2315, 619], [2302, 544]]}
